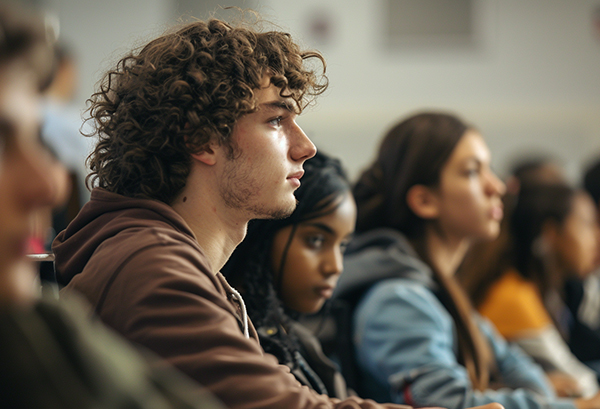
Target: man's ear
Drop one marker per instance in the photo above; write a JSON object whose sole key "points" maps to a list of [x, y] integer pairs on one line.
{"points": [[207, 155], [423, 201]]}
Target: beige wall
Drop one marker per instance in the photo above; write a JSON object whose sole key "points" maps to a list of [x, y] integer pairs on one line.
{"points": [[530, 82]]}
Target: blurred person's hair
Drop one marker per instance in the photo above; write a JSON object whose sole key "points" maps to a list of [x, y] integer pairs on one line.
{"points": [[170, 98], [519, 245], [412, 153], [591, 181], [532, 171], [24, 39]]}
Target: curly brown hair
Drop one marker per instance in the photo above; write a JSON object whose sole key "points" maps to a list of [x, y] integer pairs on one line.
{"points": [[182, 90]]}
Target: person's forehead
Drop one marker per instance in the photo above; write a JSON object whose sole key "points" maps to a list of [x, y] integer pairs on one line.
{"points": [[342, 209], [270, 98], [471, 146]]}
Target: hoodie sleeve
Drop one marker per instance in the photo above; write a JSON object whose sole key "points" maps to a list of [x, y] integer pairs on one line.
{"points": [[163, 298], [405, 346]]}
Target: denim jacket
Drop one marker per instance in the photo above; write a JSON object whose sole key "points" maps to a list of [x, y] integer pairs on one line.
{"points": [[406, 341]]}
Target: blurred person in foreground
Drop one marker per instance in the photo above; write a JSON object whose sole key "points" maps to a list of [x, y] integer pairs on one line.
{"points": [[51, 354]]}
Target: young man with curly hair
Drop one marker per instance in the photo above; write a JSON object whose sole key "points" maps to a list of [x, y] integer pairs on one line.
{"points": [[197, 135]]}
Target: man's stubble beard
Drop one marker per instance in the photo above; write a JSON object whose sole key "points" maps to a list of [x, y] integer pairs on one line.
{"points": [[240, 191]]}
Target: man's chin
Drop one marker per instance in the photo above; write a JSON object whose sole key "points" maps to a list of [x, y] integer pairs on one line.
{"points": [[282, 212]]}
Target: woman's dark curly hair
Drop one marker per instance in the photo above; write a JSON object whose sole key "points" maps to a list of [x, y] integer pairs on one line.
{"points": [[249, 268], [180, 91]]}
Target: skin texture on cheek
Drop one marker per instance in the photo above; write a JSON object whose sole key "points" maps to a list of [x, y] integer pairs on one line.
{"points": [[270, 150]]}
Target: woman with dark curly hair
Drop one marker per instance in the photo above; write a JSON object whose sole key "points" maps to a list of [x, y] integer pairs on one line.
{"points": [[289, 267]]}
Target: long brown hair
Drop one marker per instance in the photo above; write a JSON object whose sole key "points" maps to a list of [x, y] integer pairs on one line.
{"points": [[415, 152]]}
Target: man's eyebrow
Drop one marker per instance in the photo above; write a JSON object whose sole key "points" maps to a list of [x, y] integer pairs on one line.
{"points": [[280, 104]]}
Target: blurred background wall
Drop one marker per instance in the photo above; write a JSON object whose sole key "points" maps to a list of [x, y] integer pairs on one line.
{"points": [[525, 72]]}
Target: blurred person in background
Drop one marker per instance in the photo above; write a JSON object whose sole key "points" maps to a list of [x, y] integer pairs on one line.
{"points": [[583, 296], [429, 194], [533, 170], [61, 124], [549, 237]]}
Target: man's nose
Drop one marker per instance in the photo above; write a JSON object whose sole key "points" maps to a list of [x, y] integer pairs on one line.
{"points": [[301, 147]]}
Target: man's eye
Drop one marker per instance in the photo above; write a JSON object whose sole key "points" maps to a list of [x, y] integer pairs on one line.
{"points": [[276, 121]]}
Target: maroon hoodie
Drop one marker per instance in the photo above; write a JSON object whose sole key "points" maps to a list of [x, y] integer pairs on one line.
{"points": [[140, 266]]}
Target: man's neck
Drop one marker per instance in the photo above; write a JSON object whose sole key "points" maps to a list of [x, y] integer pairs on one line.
{"points": [[217, 231]]}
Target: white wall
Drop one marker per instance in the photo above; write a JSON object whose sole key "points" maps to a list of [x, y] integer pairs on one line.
{"points": [[100, 31], [531, 83]]}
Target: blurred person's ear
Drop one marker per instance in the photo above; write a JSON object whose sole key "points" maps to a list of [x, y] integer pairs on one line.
{"points": [[549, 234], [423, 201]]}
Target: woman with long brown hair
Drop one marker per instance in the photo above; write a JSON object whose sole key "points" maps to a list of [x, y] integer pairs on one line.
{"points": [[427, 197]]}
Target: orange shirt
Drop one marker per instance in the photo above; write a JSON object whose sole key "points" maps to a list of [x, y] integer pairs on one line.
{"points": [[515, 306]]}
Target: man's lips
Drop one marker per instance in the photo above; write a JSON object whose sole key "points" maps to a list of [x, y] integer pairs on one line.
{"points": [[294, 178]]}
